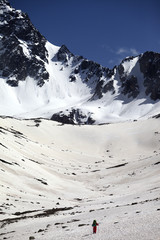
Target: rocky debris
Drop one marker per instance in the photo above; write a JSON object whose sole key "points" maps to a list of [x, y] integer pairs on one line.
{"points": [[72, 78], [31, 238], [3, 161], [157, 116], [24, 215], [117, 166], [63, 118], [74, 116]]}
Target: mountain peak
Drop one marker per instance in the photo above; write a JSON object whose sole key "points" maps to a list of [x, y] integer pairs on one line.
{"points": [[22, 49], [4, 7], [4, 2], [64, 54]]}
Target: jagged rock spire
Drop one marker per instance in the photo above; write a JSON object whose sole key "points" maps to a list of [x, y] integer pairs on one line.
{"points": [[18, 36]]}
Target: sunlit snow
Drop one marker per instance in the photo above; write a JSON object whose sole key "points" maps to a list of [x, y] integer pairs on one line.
{"points": [[109, 173]]}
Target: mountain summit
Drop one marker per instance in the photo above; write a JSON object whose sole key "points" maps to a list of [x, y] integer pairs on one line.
{"points": [[38, 79], [23, 51]]}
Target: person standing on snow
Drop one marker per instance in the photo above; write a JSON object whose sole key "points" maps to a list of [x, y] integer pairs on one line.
{"points": [[94, 225]]}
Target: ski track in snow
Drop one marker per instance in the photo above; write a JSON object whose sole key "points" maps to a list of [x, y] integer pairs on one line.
{"points": [[110, 173]]}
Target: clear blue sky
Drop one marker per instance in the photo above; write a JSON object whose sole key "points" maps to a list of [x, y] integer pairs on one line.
{"points": [[104, 31]]}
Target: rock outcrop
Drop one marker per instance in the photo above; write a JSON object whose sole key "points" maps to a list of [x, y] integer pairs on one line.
{"points": [[22, 47]]}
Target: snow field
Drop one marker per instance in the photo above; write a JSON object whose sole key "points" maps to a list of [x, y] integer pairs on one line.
{"points": [[109, 173]]}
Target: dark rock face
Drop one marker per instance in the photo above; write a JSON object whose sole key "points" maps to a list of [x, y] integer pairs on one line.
{"points": [[22, 47], [90, 72], [64, 54], [62, 118], [91, 68], [129, 82], [109, 87], [74, 116], [72, 78], [149, 64], [96, 76], [150, 67], [130, 86], [157, 116], [85, 64]]}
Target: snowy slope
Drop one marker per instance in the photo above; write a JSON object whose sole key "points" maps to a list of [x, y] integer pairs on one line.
{"points": [[59, 94], [55, 179]]}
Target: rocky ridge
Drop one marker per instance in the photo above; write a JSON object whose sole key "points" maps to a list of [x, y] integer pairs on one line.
{"points": [[22, 47]]}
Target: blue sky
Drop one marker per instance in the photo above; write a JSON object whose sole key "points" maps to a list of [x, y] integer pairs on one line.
{"points": [[105, 31]]}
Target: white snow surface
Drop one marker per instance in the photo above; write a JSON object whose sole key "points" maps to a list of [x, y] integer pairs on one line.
{"points": [[59, 94], [129, 64], [110, 173]]}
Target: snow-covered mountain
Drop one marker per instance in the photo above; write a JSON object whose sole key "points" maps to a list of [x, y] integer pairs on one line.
{"points": [[56, 178], [38, 79]]}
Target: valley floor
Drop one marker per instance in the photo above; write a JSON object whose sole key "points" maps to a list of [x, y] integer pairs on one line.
{"points": [[56, 179]]}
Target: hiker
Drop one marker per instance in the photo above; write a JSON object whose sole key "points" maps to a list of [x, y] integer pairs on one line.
{"points": [[94, 225]]}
